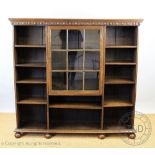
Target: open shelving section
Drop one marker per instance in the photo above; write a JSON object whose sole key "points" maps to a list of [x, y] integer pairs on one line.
{"points": [[75, 76], [30, 77], [120, 75]]}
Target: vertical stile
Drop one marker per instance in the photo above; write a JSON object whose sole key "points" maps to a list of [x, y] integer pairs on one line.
{"points": [[84, 58], [46, 40], [15, 74], [67, 60], [135, 75], [103, 41]]}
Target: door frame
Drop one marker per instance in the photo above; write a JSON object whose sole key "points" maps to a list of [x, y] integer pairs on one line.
{"points": [[102, 63]]}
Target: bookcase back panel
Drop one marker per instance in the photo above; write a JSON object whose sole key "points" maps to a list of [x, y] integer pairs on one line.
{"points": [[113, 118], [32, 116], [30, 35], [119, 72], [121, 35], [31, 73], [120, 55], [31, 55], [75, 119], [75, 99], [119, 92], [31, 91]]}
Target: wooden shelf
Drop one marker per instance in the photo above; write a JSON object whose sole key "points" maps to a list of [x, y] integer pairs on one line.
{"points": [[31, 65], [31, 81], [97, 130], [119, 81], [76, 126], [117, 103], [32, 101], [31, 46], [120, 63], [75, 106], [121, 46], [115, 127]]}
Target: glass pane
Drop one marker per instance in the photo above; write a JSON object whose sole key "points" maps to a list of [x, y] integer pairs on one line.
{"points": [[59, 80], [92, 39], [75, 80], [92, 60], [91, 81], [75, 39], [75, 60], [58, 60], [58, 39]]}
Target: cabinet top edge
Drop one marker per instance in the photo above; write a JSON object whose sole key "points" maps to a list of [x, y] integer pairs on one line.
{"points": [[56, 21]]}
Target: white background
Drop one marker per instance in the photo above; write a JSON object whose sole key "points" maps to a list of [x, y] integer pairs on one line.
{"points": [[81, 9]]}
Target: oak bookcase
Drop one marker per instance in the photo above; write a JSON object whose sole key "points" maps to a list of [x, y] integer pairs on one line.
{"points": [[75, 75]]}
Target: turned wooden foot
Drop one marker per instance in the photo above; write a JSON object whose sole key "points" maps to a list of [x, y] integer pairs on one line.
{"points": [[101, 136], [48, 136], [132, 135], [18, 134]]}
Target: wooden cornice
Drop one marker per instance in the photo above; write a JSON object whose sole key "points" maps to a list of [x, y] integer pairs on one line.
{"points": [[99, 22]]}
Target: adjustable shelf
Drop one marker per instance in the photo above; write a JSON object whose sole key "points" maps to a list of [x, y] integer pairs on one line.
{"points": [[75, 102], [121, 46], [37, 65], [75, 106], [120, 63], [75, 76], [30, 46], [32, 81], [118, 81], [117, 103], [32, 101]]}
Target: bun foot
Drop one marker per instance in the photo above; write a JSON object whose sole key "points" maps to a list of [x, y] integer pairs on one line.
{"points": [[18, 134], [48, 136], [101, 136], [132, 136]]}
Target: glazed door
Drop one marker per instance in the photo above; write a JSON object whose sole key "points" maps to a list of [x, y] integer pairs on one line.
{"points": [[75, 60]]}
